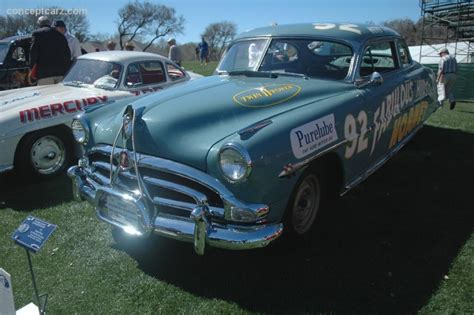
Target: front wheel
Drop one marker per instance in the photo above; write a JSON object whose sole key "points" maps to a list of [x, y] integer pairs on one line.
{"points": [[44, 154], [305, 203]]}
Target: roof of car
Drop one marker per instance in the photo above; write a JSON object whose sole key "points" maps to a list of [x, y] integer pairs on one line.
{"points": [[123, 56], [345, 31], [14, 38]]}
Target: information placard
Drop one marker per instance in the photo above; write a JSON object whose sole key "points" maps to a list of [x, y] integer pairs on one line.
{"points": [[7, 306], [33, 233]]}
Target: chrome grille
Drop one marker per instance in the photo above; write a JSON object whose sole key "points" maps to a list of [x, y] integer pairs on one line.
{"points": [[170, 192]]}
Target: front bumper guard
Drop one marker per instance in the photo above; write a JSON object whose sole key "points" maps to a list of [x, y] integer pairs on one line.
{"points": [[197, 229]]}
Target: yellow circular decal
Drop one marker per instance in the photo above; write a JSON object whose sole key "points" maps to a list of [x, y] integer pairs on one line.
{"points": [[266, 96]]}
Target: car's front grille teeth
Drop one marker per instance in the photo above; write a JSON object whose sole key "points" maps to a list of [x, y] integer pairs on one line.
{"points": [[170, 193]]}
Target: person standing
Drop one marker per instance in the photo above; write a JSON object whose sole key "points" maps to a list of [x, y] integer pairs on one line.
{"points": [[111, 45], [72, 41], [447, 69], [174, 53], [129, 46], [203, 50], [196, 51], [50, 56]]}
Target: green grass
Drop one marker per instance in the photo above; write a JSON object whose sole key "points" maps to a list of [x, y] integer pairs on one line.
{"points": [[400, 242], [196, 67]]}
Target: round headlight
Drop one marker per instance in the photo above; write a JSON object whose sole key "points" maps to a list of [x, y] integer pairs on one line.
{"points": [[235, 163], [80, 133]]}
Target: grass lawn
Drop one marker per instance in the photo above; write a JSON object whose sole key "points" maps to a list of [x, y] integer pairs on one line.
{"points": [[400, 242], [195, 66]]}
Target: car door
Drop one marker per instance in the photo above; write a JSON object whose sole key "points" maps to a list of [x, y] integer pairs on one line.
{"points": [[145, 77], [365, 125], [413, 105]]}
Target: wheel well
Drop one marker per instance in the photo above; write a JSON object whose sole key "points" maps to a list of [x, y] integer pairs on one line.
{"points": [[333, 173], [61, 129]]}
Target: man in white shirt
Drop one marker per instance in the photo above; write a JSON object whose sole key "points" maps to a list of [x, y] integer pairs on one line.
{"points": [[72, 41], [447, 69], [174, 53]]}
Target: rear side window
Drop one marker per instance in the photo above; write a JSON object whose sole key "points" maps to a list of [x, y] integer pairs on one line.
{"points": [[175, 73], [379, 57], [144, 73], [404, 53]]}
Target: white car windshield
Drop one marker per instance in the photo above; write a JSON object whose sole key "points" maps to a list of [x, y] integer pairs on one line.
{"points": [[100, 74], [306, 57]]}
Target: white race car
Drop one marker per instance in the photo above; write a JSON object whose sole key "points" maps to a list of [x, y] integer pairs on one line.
{"points": [[35, 134]]}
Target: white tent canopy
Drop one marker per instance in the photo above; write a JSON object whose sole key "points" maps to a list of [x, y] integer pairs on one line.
{"points": [[430, 55]]}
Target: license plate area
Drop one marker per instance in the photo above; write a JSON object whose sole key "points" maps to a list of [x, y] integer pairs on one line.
{"points": [[125, 212]]}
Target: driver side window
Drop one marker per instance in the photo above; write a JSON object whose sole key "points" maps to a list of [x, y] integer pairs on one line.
{"points": [[281, 55], [378, 57]]}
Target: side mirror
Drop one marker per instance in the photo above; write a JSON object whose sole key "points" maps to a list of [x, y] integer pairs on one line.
{"points": [[376, 78]]}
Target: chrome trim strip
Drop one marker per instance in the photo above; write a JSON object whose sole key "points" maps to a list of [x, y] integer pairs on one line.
{"points": [[198, 197], [214, 211], [290, 168], [381, 162], [5, 168], [252, 129]]}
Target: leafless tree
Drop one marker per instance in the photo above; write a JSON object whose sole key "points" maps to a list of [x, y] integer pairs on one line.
{"points": [[405, 27], [133, 17], [218, 35], [148, 20], [165, 22]]}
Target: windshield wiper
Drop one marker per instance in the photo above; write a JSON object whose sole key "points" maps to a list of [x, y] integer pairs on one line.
{"points": [[75, 83], [250, 73], [289, 74]]}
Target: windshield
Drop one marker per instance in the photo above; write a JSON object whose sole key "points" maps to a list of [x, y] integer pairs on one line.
{"points": [[3, 51], [307, 57], [101, 74]]}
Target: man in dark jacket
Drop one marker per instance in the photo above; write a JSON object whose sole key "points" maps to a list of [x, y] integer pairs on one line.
{"points": [[50, 57]]}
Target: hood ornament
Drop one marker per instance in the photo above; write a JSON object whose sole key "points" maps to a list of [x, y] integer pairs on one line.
{"points": [[124, 161]]}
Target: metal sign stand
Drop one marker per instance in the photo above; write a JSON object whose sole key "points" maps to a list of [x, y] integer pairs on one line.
{"points": [[41, 306], [32, 234]]}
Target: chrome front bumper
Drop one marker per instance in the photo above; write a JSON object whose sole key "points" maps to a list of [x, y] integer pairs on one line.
{"points": [[197, 229]]}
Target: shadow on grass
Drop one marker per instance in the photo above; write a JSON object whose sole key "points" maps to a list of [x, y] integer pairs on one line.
{"points": [[23, 195], [384, 247]]}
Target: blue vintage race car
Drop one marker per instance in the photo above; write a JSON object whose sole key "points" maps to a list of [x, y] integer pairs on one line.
{"points": [[294, 113]]}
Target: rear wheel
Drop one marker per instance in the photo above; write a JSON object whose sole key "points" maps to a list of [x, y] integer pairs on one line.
{"points": [[44, 154]]}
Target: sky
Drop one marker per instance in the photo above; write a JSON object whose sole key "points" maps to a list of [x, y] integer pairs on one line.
{"points": [[247, 14]]}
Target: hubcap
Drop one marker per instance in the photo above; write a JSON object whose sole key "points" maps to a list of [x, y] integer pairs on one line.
{"points": [[48, 155], [306, 204]]}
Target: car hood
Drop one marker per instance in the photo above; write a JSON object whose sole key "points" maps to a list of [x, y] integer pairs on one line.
{"points": [[182, 124]]}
